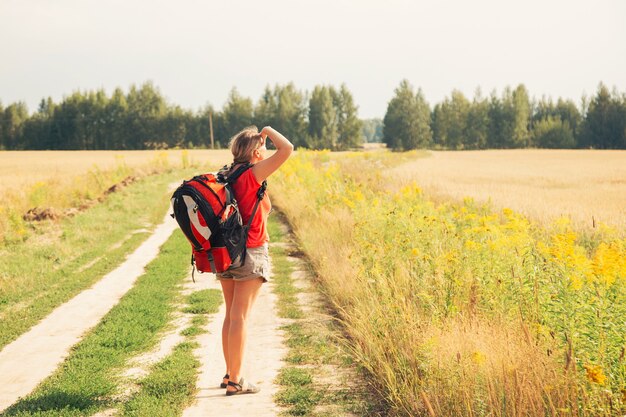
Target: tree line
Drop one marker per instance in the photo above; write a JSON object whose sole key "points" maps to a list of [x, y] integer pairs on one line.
{"points": [[511, 120], [143, 119], [325, 118]]}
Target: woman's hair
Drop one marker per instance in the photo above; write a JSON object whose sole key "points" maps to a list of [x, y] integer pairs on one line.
{"points": [[244, 143]]}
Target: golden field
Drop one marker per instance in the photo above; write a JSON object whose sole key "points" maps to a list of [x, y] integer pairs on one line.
{"points": [[65, 180], [454, 308], [23, 168], [584, 185]]}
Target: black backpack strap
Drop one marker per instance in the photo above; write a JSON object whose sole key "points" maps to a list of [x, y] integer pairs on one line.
{"points": [[259, 196], [233, 176], [193, 268]]}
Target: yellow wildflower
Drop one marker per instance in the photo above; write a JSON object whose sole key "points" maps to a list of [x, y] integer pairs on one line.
{"points": [[595, 374], [575, 281], [608, 262], [471, 245], [478, 357], [348, 203]]}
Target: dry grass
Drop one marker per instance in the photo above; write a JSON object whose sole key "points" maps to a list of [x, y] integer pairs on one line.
{"points": [[457, 310], [24, 168], [543, 184], [62, 181]]}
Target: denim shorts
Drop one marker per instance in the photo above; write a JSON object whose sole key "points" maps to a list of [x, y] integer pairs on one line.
{"points": [[256, 265]]}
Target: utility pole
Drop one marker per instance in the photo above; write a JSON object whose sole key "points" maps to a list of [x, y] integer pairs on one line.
{"points": [[211, 129]]}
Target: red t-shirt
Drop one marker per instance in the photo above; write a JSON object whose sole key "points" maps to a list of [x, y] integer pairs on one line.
{"points": [[245, 189]]}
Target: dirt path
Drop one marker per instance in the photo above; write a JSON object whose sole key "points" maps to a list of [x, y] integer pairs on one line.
{"points": [[263, 359], [36, 354]]}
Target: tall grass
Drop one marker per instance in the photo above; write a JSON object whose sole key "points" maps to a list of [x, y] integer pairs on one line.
{"points": [[68, 181], [456, 309]]}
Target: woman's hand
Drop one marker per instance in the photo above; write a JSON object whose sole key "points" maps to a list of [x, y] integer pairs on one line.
{"points": [[266, 167], [265, 132]]}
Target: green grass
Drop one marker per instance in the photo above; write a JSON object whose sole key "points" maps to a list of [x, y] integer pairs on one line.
{"points": [[59, 260], [86, 382], [313, 349], [203, 302], [169, 387], [298, 392], [172, 382]]}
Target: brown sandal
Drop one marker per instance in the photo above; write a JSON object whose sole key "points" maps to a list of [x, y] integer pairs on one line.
{"points": [[249, 388]]}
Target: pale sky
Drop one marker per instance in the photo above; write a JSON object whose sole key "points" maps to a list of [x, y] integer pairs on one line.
{"points": [[196, 51]]}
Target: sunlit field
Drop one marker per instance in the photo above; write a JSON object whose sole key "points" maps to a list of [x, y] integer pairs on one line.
{"points": [[588, 186], [64, 181], [23, 168], [454, 307], [463, 309]]}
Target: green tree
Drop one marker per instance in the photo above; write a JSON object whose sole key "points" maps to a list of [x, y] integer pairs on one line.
{"points": [[285, 109], [555, 126], [407, 120], [501, 120], [450, 121], [521, 118], [2, 138], [604, 126], [568, 112], [554, 133], [117, 122], [14, 117], [348, 124], [146, 106], [477, 128], [236, 114], [323, 131], [37, 133]]}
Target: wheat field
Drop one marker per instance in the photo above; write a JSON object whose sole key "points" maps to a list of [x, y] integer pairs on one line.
{"points": [[23, 168], [585, 185]]}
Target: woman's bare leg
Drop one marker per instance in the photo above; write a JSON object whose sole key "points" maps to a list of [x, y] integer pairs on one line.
{"points": [[245, 294], [228, 289]]}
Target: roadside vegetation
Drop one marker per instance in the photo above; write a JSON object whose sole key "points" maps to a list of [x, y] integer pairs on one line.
{"points": [[459, 309], [319, 379], [88, 380], [46, 262]]}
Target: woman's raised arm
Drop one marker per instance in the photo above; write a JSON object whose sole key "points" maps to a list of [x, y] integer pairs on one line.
{"points": [[266, 167]]}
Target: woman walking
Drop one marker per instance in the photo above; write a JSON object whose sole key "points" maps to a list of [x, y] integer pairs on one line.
{"points": [[241, 285]]}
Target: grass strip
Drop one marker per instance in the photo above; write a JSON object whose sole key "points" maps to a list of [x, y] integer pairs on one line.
{"points": [[85, 383], [61, 259], [172, 383], [307, 388]]}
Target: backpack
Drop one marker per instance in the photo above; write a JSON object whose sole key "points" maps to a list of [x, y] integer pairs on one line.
{"points": [[206, 210]]}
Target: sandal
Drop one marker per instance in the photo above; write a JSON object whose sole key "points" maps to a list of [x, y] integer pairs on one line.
{"points": [[249, 388], [222, 384]]}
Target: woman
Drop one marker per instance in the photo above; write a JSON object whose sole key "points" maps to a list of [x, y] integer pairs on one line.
{"points": [[241, 285]]}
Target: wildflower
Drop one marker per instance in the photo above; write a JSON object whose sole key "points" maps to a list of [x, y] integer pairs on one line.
{"points": [[575, 281], [415, 252], [348, 203], [607, 262], [595, 374], [478, 357], [471, 245]]}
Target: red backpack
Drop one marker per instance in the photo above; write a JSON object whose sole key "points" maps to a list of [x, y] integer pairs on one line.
{"points": [[206, 210]]}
